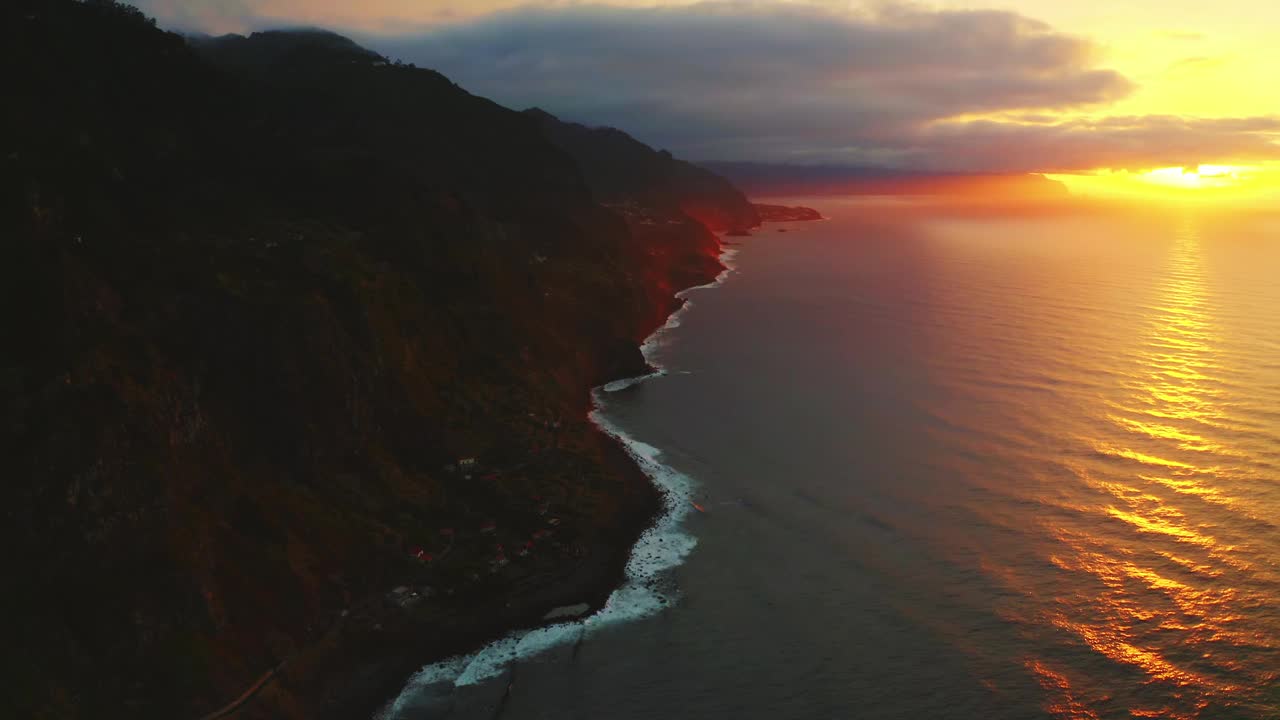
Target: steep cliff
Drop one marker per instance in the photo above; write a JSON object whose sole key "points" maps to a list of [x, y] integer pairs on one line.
{"points": [[672, 208], [262, 295], [621, 169]]}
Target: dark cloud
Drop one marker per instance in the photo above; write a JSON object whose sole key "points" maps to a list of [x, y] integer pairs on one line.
{"points": [[769, 82], [898, 85], [1113, 142]]}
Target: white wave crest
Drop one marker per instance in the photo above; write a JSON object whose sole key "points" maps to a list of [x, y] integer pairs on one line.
{"points": [[649, 347], [662, 547], [617, 385]]}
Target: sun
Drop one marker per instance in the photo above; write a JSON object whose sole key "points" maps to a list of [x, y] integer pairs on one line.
{"points": [[1198, 178], [1216, 184]]}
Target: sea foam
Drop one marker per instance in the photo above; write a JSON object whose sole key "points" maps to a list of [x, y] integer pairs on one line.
{"points": [[661, 548], [649, 348]]}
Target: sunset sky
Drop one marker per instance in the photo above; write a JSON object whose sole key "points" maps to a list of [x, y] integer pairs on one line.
{"points": [[1113, 97]]}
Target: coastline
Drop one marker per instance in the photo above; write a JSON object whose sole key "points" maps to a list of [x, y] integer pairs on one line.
{"points": [[387, 669], [408, 659], [367, 674], [619, 586], [267, 449], [386, 665]]}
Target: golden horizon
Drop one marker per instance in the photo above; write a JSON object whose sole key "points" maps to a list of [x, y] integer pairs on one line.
{"points": [[1229, 184]]}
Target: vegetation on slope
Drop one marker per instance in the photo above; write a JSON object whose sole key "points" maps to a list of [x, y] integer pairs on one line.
{"points": [[260, 293], [621, 169]]}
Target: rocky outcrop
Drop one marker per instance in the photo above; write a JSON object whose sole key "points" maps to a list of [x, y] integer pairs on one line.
{"points": [[784, 213]]}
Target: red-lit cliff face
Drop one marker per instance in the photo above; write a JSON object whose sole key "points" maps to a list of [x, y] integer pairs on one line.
{"points": [[622, 170], [671, 267], [673, 208], [718, 218], [259, 300]]}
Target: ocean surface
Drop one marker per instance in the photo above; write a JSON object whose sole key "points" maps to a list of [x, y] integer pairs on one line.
{"points": [[954, 464]]}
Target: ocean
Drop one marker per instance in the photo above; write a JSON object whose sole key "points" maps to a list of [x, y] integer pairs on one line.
{"points": [[952, 463]]}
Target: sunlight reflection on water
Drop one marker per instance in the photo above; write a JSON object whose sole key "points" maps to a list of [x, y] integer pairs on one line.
{"points": [[1028, 464], [1156, 573]]}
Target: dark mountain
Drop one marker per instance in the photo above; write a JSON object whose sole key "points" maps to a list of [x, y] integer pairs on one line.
{"points": [[261, 295], [621, 169], [264, 49]]}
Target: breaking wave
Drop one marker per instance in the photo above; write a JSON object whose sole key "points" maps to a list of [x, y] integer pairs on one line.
{"points": [[659, 337]]}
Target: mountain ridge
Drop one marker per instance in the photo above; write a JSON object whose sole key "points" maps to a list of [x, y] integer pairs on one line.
{"points": [[265, 294], [621, 169]]}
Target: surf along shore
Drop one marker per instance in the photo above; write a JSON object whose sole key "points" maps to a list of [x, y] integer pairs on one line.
{"points": [[384, 661], [375, 661], [621, 582], [360, 670]]}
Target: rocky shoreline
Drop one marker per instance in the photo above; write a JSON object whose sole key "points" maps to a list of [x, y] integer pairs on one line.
{"points": [[374, 668], [380, 670], [308, 340], [378, 667], [358, 674]]}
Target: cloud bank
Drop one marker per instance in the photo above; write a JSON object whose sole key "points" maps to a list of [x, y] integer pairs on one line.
{"points": [[240, 16], [892, 85]]}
